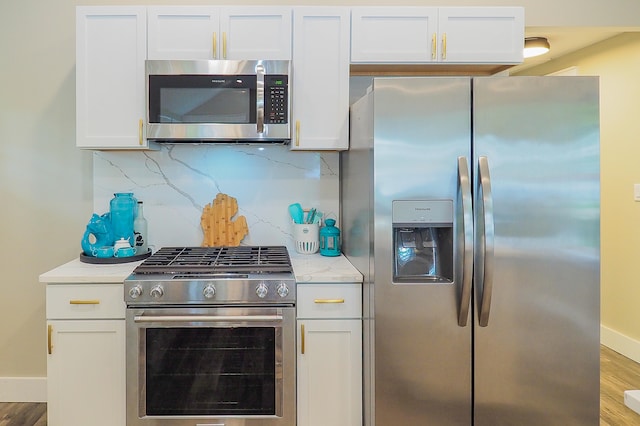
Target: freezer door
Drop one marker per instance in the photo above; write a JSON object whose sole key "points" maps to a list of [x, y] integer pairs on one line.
{"points": [[536, 159], [421, 356]]}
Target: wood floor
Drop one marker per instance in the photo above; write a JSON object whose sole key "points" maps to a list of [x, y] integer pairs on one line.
{"points": [[617, 374], [23, 414]]}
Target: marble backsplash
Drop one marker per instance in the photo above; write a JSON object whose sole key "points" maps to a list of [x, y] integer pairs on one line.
{"points": [[178, 181]]}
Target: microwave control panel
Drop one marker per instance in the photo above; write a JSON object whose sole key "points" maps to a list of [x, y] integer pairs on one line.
{"points": [[276, 89]]}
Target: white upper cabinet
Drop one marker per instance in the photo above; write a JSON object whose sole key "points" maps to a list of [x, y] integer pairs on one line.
{"points": [[320, 89], [111, 47], [480, 35], [183, 32], [324, 43], [255, 32], [201, 32], [394, 34]]}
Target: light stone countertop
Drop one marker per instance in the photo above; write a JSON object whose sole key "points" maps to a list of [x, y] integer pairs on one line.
{"points": [[308, 268], [76, 271], [314, 268]]}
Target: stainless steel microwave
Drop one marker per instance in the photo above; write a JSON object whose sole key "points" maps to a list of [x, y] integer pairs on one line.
{"points": [[218, 101]]}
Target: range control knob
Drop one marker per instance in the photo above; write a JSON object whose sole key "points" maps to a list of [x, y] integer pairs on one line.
{"points": [[262, 290], [282, 290], [157, 292], [135, 292], [209, 291]]}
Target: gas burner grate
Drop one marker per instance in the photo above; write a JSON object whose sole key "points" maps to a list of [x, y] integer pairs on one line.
{"points": [[218, 260]]}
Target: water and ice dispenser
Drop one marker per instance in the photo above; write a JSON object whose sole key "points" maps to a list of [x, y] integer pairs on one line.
{"points": [[423, 241]]}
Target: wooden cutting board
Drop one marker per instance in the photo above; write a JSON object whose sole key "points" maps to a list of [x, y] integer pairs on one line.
{"points": [[218, 225]]}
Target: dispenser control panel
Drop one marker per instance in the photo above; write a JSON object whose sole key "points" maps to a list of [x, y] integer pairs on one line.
{"points": [[416, 212]]}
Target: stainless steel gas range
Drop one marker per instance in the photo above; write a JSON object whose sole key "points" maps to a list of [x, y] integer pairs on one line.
{"points": [[211, 338]]}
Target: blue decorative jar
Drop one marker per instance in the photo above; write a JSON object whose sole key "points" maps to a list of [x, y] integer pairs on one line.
{"points": [[330, 239], [123, 212]]}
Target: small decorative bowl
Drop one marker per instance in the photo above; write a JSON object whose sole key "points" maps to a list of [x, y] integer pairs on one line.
{"points": [[125, 252]]}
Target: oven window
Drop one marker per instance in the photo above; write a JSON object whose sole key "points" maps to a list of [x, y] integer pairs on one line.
{"points": [[210, 371]]}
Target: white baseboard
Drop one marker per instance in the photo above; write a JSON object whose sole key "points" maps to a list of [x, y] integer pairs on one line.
{"points": [[23, 389], [620, 343]]}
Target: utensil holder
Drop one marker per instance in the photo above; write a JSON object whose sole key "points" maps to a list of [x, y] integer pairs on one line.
{"points": [[306, 237]]}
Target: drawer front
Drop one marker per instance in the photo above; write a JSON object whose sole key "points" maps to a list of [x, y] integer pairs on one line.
{"points": [[85, 301], [329, 300]]}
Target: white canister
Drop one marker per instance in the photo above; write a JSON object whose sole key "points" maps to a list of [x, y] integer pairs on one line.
{"points": [[306, 237]]}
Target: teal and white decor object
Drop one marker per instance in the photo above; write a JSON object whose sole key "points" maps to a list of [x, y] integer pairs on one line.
{"points": [[330, 239]]}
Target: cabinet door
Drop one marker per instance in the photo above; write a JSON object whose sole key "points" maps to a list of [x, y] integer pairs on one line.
{"points": [[320, 78], [111, 47], [183, 32], [256, 33], [201, 32], [86, 373], [394, 34], [481, 34], [329, 373]]}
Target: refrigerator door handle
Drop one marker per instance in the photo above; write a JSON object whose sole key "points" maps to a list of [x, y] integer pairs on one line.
{"points": [[486, 238], [464, 189]]}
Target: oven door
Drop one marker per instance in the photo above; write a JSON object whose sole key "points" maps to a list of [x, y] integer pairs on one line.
{"points": [[211, 366]]}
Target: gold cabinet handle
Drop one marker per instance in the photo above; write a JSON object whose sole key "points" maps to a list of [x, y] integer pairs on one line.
{"points": [[297, 132], [302, 339], [84, 302], [215, 45], [224, 45], [49, 343], [140, 126], [444, 46], [328, 301], [434, 46]]}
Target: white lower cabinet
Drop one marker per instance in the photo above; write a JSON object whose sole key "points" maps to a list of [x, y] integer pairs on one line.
{"points": [[86, 355], [329, 355]]}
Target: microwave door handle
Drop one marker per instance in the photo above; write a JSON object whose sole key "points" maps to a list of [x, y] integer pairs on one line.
{"points": [[487, 241], [260, 99], [464, 188]]}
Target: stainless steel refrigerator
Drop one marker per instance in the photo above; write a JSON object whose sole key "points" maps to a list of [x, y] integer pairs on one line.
{"points": [[471, 206]]}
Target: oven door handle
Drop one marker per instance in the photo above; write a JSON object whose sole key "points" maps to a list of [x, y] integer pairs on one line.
{"points": [[208, 318]]}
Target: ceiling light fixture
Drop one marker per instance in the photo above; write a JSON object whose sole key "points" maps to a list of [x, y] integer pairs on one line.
{"points": [[535, 46]]}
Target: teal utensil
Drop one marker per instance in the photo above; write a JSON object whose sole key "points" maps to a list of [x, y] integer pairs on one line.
{"points": [[311, 216], [296, 212]]}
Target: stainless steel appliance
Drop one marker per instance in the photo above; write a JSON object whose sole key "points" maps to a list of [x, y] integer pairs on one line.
{"points": [[471, 206], [218, 100], [210, 338]]}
